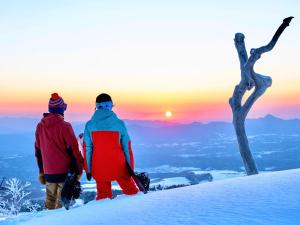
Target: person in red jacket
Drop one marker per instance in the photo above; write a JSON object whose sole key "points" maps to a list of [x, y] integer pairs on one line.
{"points": [[107, 148], [56, 151]]}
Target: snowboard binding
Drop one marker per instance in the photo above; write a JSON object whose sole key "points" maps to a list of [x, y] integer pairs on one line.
{"points": [[70, 191], [144, 180]]}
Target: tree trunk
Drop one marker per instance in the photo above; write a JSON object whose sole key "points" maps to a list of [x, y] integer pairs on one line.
{"points": [[244, 148], [250, 79]]}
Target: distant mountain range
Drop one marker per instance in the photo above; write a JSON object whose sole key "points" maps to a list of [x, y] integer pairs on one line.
{"points": [[151, 132], [158, 144], [161, 131], [197, 131]]}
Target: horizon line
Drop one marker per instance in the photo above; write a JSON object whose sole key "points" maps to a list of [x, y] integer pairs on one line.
{"points": [[167, 121]]}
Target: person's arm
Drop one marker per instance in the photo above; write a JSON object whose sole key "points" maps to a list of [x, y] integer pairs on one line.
{"points": [[88, 147], [84, 157], [126, 145], [73, 150], [38, 154], [131, 155]]}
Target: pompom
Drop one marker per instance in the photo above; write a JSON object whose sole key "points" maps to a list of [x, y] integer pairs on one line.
{"points": [[55, 96]]}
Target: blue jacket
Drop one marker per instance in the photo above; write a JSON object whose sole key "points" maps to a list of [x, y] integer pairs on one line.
{"points": [[105, 120]]}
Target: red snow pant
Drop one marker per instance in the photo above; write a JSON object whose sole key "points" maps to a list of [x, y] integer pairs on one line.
{"points": [[104, 188]]}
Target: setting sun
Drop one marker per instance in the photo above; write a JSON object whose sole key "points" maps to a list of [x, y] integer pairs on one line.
{"points": [[168, 114]]}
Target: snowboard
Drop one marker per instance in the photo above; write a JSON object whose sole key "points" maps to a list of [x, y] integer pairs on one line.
{"points": [[70, 191], [141, 180]]}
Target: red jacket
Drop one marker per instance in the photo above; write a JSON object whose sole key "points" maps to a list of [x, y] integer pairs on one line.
{"points": [[56, 148], [107, 147], [108, 161]]}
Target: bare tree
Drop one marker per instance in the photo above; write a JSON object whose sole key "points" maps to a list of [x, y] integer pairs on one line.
{"points": [[250, 79], [15, 198]]}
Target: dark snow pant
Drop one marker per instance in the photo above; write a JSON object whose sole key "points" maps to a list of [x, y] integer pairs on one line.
{"points": [[53, 191], [104, 188]]}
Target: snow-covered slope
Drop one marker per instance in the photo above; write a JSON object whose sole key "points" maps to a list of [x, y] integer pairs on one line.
{"points": [[269, 198]]}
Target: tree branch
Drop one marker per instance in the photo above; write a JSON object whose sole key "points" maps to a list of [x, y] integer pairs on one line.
{"points": [[256, 52], [246, 79], [261, 84], [241, 49], [236, 100]]}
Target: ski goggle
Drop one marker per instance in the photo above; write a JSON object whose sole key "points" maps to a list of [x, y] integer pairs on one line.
{"points": [[106, 105]]}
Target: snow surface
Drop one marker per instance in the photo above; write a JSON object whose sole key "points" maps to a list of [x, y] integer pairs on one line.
{"points": [[268, 198], [169, 169], [166, 182], [171, 181], [90, 186], [221, 174]]}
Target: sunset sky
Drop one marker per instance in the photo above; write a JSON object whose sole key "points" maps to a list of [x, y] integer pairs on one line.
{"points": [[150, 56]]}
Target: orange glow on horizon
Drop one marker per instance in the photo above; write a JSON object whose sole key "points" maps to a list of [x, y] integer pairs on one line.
{"points": [[186, 107]]}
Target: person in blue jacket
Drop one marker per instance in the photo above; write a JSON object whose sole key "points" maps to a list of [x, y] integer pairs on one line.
{"points": [[107, 149]]}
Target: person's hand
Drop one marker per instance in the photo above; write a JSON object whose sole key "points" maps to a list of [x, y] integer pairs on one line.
{"points": [[78, 176], [88, 176], [42, 178]]}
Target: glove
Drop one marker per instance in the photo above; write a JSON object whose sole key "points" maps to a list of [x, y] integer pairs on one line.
{"points": [[42, 178], [78, 176], [88, 176]]}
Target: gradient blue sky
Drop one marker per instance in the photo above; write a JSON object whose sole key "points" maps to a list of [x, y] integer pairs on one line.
{"points": [[151, 56]]}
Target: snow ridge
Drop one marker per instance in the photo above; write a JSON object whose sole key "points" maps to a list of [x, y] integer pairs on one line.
{"points": [[269, 198]]}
